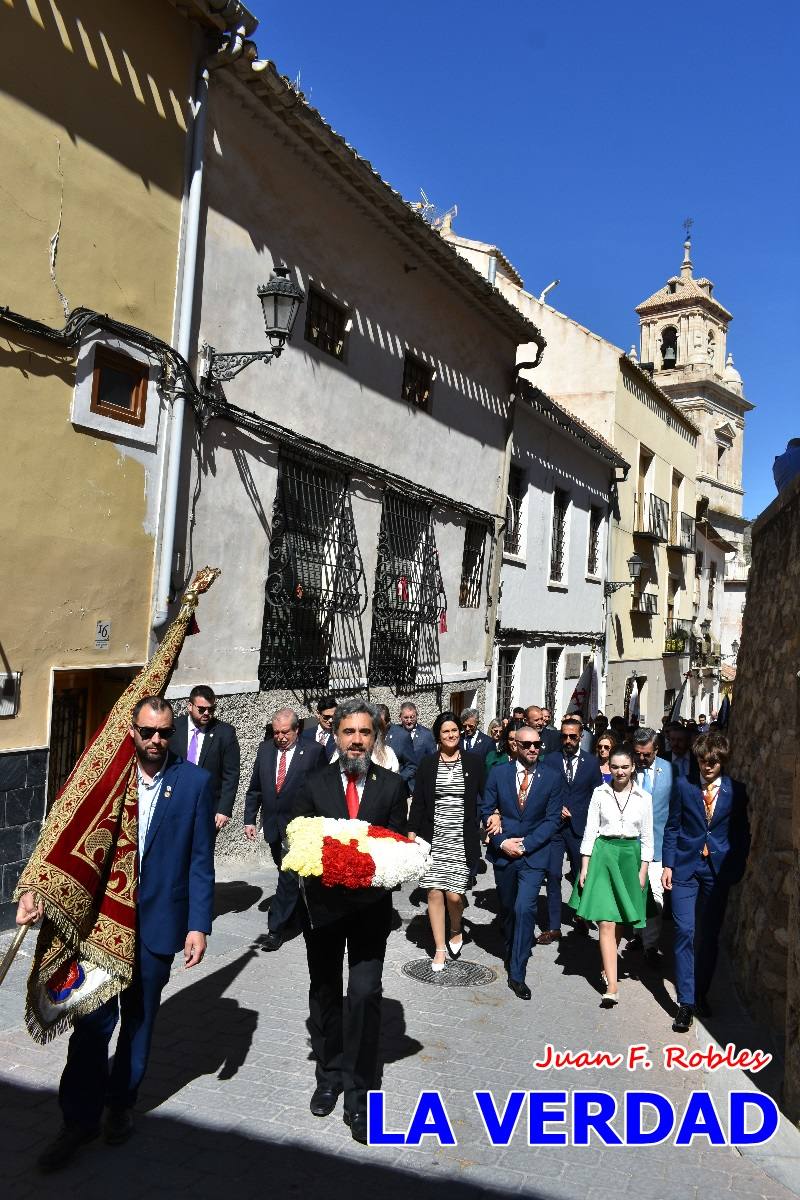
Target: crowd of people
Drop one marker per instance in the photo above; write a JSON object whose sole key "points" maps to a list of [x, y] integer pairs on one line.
{"points": [[631, 813]]}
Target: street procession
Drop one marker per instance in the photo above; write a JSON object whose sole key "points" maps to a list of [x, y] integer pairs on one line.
{"points": [[398, 677]]}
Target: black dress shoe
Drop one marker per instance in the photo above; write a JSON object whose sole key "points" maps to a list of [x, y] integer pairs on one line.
{"points": [[118, 1126], [652, 956], [358, 1125], [581, 926], [323, 1102], [520, 988], [271, 941], [65, 1146], [702, 1007], [634, 943], [683, 1019]]}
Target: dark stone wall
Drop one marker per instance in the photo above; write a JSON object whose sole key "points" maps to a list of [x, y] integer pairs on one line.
{"points": [[23, 780]]}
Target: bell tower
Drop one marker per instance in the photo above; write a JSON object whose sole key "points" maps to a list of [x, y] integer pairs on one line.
{"points": [[684, 344]]}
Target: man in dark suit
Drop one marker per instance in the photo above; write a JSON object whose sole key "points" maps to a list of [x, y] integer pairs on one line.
{"points": [[175, 902], [656, 777], [473, 740], [684, 763], [321, 730], [421, 741], [581, 775], [355, 921], [706, 844], [535, 718], [521, 808], [211, 744], [280, 769], [399, 739]]}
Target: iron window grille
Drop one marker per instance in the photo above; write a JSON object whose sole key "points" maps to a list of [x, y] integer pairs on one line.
{"points": [[417, 382], [560, 502], [551, 679], [312, 638], [469, 595], [512, 541], [595, 525], [326, 324], [409, 605], [67, 736], [506, 667], [712, 583]]}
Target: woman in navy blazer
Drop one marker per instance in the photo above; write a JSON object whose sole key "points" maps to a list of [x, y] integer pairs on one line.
{"points": [[706, 844]]}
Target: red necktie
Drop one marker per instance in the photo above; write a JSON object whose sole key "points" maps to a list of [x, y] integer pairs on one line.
{"points": [[351, 797], [281, 779], [523, 789]]}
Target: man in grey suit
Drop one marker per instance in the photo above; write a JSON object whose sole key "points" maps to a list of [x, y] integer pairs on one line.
{"points": [[656, 776]]}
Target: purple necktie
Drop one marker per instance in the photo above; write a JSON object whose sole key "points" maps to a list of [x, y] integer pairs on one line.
{"points": [[192, 755]]}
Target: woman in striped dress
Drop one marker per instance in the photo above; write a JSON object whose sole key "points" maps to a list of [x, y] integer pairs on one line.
{"points": [[444, 812]]}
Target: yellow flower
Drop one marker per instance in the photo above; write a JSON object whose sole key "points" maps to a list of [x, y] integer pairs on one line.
{"points": [[304, 856]]}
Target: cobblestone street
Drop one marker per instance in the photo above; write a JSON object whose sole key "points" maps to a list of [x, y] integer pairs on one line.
{"points": [[224, 1107]]}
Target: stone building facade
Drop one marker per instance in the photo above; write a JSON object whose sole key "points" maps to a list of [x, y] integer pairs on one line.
{"points": [[764, 923]]}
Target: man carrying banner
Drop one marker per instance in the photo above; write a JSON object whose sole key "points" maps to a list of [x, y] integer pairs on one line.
{"points": [[122, 878]]}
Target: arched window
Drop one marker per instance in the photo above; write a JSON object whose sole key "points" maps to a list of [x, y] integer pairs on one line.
{"points": [[669, 347]]}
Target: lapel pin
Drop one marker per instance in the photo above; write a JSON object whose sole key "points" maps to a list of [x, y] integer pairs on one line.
{"points": [[466, 774], [167, 793], [373, 776]]}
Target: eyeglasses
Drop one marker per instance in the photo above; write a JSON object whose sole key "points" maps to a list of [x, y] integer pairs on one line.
{"points": [[146, 732], [528, 745], [570, 737], [204, 708]]}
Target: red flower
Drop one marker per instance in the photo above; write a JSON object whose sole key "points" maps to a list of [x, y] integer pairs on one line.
{"points": [[378, 831], [346, 866]]}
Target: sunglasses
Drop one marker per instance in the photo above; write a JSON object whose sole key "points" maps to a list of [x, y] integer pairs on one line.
{"points": [[146, 732], [204, 708], [528, 745], [570, 737]]}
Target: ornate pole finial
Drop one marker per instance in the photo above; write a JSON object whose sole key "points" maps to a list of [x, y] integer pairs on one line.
{"points": [[686, 265]]}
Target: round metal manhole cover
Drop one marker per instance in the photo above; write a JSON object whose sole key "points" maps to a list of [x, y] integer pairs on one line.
{"points": [[455, 974]]}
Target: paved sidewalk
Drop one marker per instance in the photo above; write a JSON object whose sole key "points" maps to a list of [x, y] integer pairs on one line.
{"points": [[224, 1108]]}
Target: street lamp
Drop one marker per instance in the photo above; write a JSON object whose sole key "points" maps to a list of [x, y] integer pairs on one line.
{"points": [[635, 564], [280, 300]]}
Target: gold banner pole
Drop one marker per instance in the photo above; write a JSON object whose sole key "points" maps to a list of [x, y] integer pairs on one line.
{"points": [[11, 952]]}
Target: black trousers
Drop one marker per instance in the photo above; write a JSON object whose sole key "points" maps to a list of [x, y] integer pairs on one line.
{"points": [[345, 1032], [287, 892], [563, 842]]}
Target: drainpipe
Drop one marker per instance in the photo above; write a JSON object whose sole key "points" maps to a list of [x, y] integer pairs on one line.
{"points": [[491, 273], [497, 560], [230, 49]]}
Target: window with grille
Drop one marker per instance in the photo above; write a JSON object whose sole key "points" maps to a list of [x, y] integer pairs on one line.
{"points": [[326, 324], [469, 595], [595, 526], [559, 533], [512, 542], [506, 667], [551, 679], [712, 583], [417, 382], [312, 637], [409, 605]]}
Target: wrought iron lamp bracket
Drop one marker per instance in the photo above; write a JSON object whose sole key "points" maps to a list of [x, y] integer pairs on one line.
{"points": [[611, 586], [219, 368]]}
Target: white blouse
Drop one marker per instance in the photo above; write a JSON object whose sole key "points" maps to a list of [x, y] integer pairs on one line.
{"points": [[626, 814]]}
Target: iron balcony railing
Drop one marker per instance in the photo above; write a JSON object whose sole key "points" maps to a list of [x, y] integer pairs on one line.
{"points": [[678, 637], [645, 602], [652, 518], [682, 533]]}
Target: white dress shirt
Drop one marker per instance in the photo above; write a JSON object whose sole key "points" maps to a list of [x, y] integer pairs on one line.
{"points": [[289, 755], [149, 791], [613, 814]]}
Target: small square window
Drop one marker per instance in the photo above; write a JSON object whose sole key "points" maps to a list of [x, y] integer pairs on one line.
{"points": [[326, 324], [119, 387], [417, 381]]}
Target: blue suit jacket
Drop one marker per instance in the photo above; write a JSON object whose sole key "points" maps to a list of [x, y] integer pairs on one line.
{"points": [[423, 742], [537, 822], [309, 734], [176, 872], [483, 744], [577, 794], [727, 836], [398, 737], [664, 785]]}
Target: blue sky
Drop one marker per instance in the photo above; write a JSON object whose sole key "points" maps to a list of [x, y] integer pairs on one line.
{"points": [[578, 136]]}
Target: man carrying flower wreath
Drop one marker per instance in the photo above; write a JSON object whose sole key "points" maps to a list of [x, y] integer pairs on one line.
{"points": [[355, 919]]}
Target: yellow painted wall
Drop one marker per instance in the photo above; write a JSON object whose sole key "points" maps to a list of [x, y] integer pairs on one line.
{"points": [[93, 144]]}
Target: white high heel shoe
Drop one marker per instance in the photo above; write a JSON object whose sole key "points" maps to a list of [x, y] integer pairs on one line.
{"points": [[436, 967], [455, 947]]}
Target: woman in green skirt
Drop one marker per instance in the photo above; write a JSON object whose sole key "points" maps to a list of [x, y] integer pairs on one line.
{"points": [[616, 850]]}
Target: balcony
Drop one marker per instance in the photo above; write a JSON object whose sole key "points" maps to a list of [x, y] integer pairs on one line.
{"points": [[652, 518], [682, 534], [645, 602], [678, 638]]}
